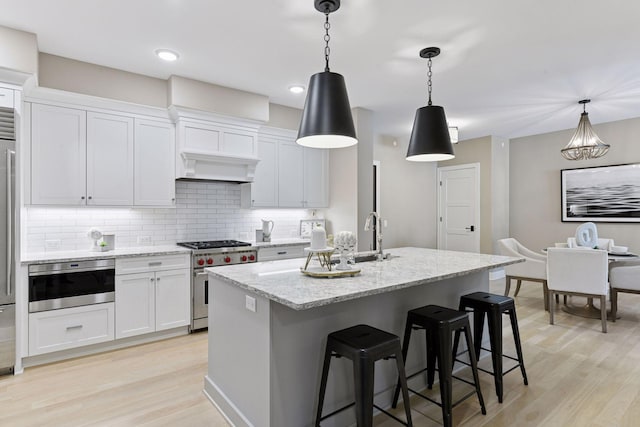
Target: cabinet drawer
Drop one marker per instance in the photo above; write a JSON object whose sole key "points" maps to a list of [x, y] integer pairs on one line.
{"points": [[152, 263], [6, 98], [70, 327], [280, 252]]}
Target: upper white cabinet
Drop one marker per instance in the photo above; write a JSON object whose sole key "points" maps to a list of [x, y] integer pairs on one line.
{"points": [[58, 155], [6, 98], [109, 160], [154, 183], [288, 175], [100, 159]]}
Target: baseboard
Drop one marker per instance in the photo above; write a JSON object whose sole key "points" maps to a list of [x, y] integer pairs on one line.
{"points": [[225, 406]]}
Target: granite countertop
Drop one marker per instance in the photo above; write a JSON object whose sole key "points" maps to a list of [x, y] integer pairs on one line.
{"points": [[274, 243], [64, 256], [282, 281]]}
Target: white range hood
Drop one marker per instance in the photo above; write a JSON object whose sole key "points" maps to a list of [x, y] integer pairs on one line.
{"points": [[215, 147]]}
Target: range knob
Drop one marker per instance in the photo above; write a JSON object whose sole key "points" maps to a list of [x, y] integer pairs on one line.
{"points": [[244, 258], [227, 259], [200, 262], [252, 257], [209, 261]]}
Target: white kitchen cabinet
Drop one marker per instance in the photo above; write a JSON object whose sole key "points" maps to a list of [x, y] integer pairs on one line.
{"points": [[281, 252], [152, 294], [288, 175], [67, 328], [58, 155], [154, 182], [109, 160]]}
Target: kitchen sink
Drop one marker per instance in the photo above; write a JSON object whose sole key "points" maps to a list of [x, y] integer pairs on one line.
{"points": [[362, 258]]}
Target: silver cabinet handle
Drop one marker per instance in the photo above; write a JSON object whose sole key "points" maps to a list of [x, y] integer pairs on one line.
{"points": [[151, 279], [155, 263], [82, 198], [90, 197], [157, 279], [74, 327], [282, 253], [10, 154]]}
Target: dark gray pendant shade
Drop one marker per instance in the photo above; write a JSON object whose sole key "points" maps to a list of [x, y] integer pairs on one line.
{"points": [[430, 140], [326, 118]]}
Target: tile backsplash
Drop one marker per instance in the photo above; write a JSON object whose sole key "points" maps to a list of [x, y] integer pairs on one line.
{"points": [[204, 211]]}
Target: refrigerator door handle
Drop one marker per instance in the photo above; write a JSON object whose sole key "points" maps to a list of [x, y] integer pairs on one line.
{"points": [[10, 154]]}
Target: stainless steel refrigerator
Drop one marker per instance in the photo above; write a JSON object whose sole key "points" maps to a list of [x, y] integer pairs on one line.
{"points": [[7, 240]]}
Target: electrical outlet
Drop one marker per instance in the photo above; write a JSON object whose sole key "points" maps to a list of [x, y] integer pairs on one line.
{"points": [[144, 240], [385, 224], [52, 245], [250, 303]]}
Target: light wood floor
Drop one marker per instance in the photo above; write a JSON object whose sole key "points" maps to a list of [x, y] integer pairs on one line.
{"points": [[578, 376]]}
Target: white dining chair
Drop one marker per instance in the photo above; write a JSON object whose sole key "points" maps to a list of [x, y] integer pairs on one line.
{"points": [[574, 271], [624, 276], [534, 269]]}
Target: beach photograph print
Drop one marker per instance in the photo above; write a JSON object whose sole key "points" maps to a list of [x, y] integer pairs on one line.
{"points": [[604, 194]]}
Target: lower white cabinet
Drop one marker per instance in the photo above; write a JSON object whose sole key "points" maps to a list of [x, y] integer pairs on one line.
{"points": [[155, 299], [280, 252], [70, 327]]}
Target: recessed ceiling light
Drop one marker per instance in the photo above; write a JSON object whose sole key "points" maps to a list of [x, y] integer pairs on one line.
{"points": [[167, 55], [296, 89]]}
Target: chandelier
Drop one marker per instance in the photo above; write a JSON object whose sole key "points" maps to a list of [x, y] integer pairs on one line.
{"points": [[584, 143]]}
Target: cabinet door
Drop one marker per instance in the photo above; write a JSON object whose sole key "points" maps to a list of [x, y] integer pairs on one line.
{"points": [[58, 155], [135, 304], [173, 299], [290, 170], [109, 160], [154, 166], [264, 189], [316, 178]]}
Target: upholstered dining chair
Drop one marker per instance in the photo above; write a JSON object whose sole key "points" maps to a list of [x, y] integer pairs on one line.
{"points": [[604, 244], [624, 276], [534, 269], [574, 271]]}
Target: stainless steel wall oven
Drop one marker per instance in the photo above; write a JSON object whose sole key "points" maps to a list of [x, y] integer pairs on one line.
{"points": [[71, 284]]}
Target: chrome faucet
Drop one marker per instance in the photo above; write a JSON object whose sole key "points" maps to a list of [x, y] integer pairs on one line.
{"points": [[378, 225]]}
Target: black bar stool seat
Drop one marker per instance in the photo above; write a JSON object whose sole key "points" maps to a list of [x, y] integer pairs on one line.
{"points": [[439, 323], [494, 306], [363, 345]]}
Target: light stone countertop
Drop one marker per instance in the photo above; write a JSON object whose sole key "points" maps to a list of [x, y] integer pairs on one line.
{"points": [[274, 243], [282, 281], [65, 256]]}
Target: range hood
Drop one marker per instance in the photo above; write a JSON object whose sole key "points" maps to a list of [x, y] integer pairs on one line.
{"points": [[214, 147]]}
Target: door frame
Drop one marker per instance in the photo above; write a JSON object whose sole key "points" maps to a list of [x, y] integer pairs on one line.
{"points": [[478, 229]]}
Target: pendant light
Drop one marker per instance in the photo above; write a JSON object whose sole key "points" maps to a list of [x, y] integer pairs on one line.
{"points": [[584, 143], [430, 140], [326, 118]]}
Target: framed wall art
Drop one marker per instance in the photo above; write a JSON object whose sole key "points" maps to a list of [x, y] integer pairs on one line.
{"points": [[601, 194]]}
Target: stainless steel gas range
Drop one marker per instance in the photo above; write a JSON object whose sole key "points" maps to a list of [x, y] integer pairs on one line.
{"points": [[213, 253]]}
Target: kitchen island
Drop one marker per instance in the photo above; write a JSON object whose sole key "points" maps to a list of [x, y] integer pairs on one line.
{"points": [[268, 325]]}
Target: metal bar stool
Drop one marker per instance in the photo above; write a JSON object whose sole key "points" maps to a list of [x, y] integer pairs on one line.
{"points": [[363, 345], [494, 306], [439, 323]]}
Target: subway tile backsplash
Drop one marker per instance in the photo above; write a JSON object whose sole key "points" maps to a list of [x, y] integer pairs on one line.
{"points": [[204, 211]]}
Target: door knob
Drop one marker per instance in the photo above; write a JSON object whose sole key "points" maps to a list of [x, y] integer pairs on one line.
{"points": [[470, 228]]}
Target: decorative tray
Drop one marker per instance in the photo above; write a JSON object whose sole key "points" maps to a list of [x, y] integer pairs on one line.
{"points": [[321, 272]]}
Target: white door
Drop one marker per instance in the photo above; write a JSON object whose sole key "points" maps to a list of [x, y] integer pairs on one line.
{"points": [[316, 178], [459, 208], [154, 163], [135, 304], [58, 155], [264, 189], [173, 299], [109, 160], [290, 175]]}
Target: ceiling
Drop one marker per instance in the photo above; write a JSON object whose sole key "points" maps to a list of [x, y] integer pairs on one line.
{"points": [[507, 68]]}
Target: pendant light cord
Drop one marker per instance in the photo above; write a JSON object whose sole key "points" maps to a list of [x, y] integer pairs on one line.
{"points": [[429, 74], [327, 37]]}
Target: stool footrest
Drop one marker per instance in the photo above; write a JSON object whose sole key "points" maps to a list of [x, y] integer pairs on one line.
{"points": [[337, 410], [453, 405], [416, 373], [390, 414]]}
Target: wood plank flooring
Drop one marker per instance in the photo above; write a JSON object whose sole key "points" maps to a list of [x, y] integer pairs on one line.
{"points": [[578, 376]]}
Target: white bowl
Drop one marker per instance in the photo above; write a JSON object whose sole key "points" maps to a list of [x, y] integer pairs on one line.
{"points": [[619, 249]]}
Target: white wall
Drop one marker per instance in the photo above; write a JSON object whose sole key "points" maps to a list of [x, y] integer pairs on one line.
{"points": [[408, 196], [535, 164], [204, 211], [18, 51]]}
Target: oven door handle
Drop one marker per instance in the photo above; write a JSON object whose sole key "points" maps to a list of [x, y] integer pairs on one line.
{"points": [[202, 273]]}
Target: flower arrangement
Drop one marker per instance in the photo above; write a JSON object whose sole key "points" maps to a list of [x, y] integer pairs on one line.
{"points": [[345, 244]]}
